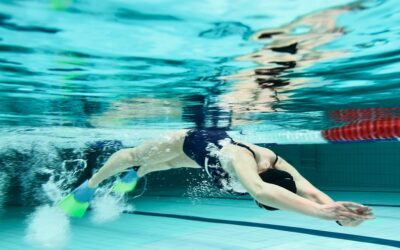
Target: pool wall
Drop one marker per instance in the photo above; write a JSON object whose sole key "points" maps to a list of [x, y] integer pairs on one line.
{"points": [[356, 167]]}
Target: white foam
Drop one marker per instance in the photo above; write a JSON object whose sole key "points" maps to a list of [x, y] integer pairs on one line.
{"points": [[48, 228], [108, 207], [197, 191], [53, 190]]}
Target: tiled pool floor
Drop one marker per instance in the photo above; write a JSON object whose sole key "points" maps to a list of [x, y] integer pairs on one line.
{"points": [[181, 223]]}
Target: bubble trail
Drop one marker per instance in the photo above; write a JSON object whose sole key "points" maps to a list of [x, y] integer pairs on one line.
{"points": [[48, 228]]}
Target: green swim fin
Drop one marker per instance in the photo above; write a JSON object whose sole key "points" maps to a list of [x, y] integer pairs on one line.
{"points": [[123, 187], [127, 183], [77, 202], [73, 207]]}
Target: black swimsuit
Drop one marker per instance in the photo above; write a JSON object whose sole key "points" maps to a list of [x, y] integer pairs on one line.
{"points": [[203, 147]]}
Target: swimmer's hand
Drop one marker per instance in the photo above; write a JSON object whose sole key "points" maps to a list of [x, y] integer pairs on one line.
{"points": [[343, 211], [354, 222]]}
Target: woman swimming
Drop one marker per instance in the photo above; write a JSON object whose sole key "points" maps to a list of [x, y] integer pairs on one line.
{"points": [[235, 167]]}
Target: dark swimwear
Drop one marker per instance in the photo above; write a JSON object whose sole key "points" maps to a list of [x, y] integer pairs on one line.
{"points": [[203, 147]]}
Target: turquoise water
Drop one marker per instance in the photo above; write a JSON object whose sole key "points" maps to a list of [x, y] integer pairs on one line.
{"points": [[168, 64], [82, 79]]}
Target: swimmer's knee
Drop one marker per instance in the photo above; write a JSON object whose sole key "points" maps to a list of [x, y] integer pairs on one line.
{"points": [[129, 155]]}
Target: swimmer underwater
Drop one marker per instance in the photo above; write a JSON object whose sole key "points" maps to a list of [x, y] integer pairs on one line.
{"points": [[268, 178]]}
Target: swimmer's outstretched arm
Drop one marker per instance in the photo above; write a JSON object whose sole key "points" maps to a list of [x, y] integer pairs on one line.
{"points": [[275, 196], [304, 187], [310, 192]]}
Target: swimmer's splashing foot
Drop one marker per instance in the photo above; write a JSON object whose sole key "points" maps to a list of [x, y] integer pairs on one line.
{"points": [[77, 202], [127, 183]]}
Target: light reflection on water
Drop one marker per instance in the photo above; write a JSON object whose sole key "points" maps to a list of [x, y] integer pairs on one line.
{"points": [[161, 64]]}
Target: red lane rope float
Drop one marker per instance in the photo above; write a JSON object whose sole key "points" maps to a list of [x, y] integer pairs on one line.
{"points": [[381, 129], [357, 114]]}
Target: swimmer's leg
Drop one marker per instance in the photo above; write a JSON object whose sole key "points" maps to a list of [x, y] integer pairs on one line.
{"points": [[148, 153], [153, 152]]}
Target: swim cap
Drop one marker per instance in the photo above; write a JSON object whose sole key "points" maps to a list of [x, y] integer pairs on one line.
{"points": [[280, 178]]}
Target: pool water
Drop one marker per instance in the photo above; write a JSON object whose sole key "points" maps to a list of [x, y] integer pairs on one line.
{"points": [[177, 223], [81, 79], [268, 65]]}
